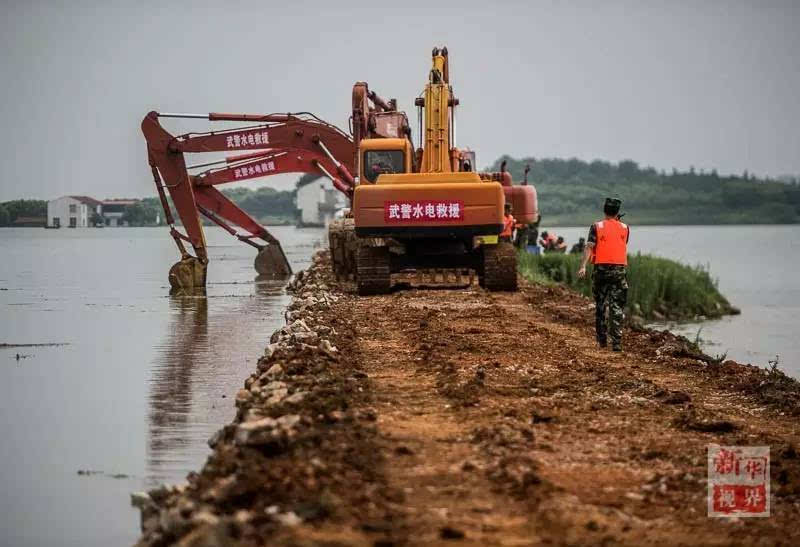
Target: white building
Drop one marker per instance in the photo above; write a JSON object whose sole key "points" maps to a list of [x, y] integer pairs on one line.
{"points": [[72, 211], [114, 210], [317, 201]]}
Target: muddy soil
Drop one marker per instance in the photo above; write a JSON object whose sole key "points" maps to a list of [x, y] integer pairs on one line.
{"points": [[463, 416]]}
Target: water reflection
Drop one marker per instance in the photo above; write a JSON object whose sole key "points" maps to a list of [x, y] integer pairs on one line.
{"points": [[269, 286], [170, 390], [210, 347]]}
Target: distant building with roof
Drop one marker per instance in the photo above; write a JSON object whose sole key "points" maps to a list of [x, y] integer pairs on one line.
{"points": [[317, 201], [114, 210], [72, 211], [84, 211]]}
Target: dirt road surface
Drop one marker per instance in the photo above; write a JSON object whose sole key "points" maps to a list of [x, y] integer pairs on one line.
{"points": [[477, 418]]}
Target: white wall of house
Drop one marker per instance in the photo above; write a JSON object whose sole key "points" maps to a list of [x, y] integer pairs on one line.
{"points": [[69, 212], [114, 219], [317, 202], [309, 197], [66, 212]]}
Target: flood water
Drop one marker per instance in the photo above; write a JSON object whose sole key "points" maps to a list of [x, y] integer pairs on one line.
{"points": [[145, 378], [142, 384]]}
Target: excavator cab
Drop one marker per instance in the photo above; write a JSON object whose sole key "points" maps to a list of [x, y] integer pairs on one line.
{"points": [[383, 157]]}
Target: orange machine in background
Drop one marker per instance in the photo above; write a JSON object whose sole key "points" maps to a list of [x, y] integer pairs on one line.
{"points": [[439, 213]]}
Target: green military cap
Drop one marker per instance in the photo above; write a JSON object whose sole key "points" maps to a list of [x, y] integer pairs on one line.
{"points": [[611, 206]]}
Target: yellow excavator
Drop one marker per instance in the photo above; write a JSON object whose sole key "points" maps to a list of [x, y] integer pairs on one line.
{"points": [[429, 209]]}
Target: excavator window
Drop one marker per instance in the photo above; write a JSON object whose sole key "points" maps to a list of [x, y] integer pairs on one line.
{"points": [[378, 162]]}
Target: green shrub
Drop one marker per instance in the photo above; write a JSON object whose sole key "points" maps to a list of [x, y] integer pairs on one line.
{"points": [[657, 286]]}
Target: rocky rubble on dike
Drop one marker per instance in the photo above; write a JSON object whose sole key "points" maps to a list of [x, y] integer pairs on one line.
{"points": [[264, 477]]}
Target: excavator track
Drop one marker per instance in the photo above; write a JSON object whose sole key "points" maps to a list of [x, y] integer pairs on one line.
{"points": [[343, 243], [335, 244], [373, 271], [499, 267]]}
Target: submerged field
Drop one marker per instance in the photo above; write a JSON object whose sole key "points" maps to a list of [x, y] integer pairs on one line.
{"points": [[659, 287]]}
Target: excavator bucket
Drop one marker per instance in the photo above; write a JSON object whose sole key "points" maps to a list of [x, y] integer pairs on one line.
{"points": [[271, 262], [187, 275]]}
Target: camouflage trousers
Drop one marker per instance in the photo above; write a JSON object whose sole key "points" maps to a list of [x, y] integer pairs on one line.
{"points": [[610, 288]]}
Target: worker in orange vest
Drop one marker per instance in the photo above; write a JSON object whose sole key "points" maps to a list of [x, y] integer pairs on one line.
{"points": [[607, 247], [547, 242], [508, 224]]}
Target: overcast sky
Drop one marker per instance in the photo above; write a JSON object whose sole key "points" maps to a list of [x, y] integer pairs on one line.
{"points": [[667, 84]]}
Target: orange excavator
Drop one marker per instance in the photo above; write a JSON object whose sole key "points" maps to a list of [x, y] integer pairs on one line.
{"points": [[411, 209]]}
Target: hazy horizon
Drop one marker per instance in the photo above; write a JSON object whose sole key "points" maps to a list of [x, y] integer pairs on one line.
{"points": [[674, 85]]}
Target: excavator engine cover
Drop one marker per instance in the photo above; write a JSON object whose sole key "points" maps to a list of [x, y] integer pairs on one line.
{"points": [[428, 204]]}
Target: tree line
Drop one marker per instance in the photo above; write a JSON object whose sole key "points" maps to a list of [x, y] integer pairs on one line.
{"points": [[573, 190], [264, 204], [10, 211], [569, 190]]}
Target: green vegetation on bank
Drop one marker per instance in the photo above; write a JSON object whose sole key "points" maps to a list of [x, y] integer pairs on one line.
{"points": [[659, 287], [267, 205], [571, 192], [144, 213], [10, 211]]}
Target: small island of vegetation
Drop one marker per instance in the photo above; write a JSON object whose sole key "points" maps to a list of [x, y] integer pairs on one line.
{"points": [[659, 288]]}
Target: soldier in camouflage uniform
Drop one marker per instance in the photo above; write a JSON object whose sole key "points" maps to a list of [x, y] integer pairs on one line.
{"points": [[607, 248]]}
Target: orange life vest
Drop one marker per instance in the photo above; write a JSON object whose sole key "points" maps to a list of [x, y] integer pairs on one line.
{"points": [[508, 226], [612, 242]]}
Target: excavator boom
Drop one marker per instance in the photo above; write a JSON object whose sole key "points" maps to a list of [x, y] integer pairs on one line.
{"points": [[278, 143]]}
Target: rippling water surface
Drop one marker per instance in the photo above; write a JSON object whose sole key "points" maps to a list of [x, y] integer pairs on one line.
{"points": [[143, 380]]}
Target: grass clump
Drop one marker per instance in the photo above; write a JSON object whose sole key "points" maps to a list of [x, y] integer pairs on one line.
{"points": [[659, 287]]}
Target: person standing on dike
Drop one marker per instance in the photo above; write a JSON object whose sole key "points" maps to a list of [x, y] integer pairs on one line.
{"points": [[607, 247]]}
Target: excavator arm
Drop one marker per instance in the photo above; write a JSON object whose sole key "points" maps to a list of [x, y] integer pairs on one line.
{"points": [[275, 144]]}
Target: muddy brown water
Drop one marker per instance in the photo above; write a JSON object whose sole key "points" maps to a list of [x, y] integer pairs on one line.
{"points": [[144, 379], [142, 383]]}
